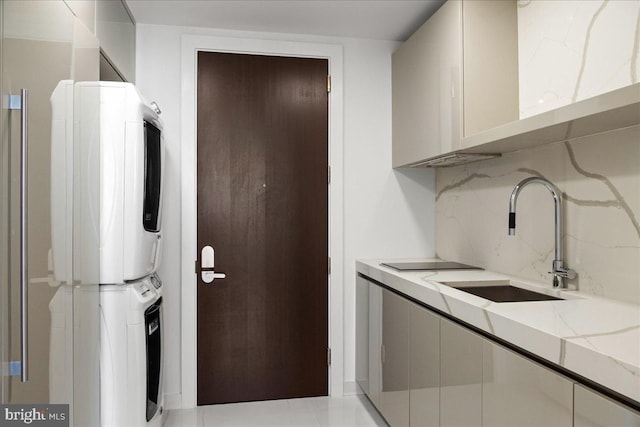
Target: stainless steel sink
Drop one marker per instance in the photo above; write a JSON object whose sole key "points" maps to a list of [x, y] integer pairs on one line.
{"points": [[500, 291]]}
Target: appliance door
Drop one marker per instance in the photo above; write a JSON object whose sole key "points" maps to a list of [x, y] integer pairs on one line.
{"points": [[48, 301], [153, 339], [152, 177]]}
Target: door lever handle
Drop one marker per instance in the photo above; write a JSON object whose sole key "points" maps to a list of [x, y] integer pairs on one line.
{"points": [[207, 271]]}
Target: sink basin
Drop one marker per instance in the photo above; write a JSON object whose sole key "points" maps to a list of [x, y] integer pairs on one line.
{"points": [[500, 291]]}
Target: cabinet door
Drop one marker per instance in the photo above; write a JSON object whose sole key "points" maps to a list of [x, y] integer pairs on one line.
{"points": [[591, 409], [424, 367], [490, 64], [426, 88], [460, 376], [117, 34], [519, 392], [375, 344], [362, 334], [85, 10], [394, 393]]}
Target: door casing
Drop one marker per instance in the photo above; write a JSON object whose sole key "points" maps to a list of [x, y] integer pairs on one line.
{"points": [[191, 44]]}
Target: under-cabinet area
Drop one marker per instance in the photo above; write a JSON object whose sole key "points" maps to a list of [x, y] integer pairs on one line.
{"points": [[421, 368]]}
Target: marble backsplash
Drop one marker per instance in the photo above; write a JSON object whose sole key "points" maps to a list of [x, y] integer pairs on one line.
{"points": [[600, 180], [570, 50]]}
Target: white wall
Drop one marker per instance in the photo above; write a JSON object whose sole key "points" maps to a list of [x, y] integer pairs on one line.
{"points": [[386, 213]]}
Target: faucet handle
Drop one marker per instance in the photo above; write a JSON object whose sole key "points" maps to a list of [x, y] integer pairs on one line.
{"points": [[560, 272], [565, 273]]}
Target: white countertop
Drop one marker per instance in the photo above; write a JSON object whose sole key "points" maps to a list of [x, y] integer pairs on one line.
{"points": [[594, 337]]}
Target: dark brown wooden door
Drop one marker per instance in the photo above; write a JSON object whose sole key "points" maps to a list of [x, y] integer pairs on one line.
{"points": [[263, 206]]}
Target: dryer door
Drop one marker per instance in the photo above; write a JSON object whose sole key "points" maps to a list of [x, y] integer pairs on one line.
{"points": [[153, 338]]}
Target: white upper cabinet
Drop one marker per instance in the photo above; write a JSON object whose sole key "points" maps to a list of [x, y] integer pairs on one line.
{"points": [[457, 75], [489, 77], [427, 86], [490, 41]]}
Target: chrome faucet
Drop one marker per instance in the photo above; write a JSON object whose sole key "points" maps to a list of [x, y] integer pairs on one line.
{"points": [[559, 272]]}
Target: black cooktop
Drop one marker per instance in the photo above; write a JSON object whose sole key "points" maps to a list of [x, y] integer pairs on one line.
{"points": [[424, 266]]}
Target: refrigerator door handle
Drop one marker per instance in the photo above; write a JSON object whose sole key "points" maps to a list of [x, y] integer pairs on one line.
{"points": [[19, 102]]}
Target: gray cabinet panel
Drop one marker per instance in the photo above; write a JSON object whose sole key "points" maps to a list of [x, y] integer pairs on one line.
{"points": [[362, 334], [421, 369], [424, 367], [519, 392], [375, 344], [594, 410], [394, 392], [460, 376]]}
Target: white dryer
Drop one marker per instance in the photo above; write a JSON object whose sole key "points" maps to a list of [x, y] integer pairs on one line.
{"points": [[131, 373], [126, 131]]}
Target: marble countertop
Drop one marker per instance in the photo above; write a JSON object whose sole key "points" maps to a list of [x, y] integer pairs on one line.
{"points": [[594, 337]]}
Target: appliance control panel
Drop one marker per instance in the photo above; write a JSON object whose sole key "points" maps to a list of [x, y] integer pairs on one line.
{"points": [[144, 289], [156, 282]]}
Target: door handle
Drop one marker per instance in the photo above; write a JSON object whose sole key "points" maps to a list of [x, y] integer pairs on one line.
{"points": [[207, 265], [19, 102]]}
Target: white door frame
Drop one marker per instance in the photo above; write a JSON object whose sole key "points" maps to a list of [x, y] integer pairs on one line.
{"points": [[191, 44]]}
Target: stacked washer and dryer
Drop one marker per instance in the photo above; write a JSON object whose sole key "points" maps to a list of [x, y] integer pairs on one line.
{"points": [[131, 147]]}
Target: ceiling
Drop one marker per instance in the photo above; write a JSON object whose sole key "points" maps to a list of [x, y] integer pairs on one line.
{"points": [[381, 20]]}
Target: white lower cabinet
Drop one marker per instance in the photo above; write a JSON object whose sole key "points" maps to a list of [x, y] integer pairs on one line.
{"points": [[424, 367], [519, 392], [592, 409], [460, 376]]}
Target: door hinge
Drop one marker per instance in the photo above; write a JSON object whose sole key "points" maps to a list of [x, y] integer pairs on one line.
{"points": [[328, 83], [329, 265], [328, 356], [196, 266], [328, 174], [382, 354]]}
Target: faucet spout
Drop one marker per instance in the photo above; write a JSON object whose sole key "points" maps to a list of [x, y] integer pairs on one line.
{"points": [[560, 272]]}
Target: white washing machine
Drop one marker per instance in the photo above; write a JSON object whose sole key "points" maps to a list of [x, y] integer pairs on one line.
{"points": [[131, 356]]}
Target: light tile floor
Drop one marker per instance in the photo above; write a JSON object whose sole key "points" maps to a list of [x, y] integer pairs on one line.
{"points": [[347, 411]]}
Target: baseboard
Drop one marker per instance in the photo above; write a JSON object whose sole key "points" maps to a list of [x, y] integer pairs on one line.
{"points": [[173, 401], [351, 388]]}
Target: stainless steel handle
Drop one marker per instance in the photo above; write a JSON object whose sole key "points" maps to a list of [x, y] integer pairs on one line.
{"points": [[24, 278], [19, 102]]}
